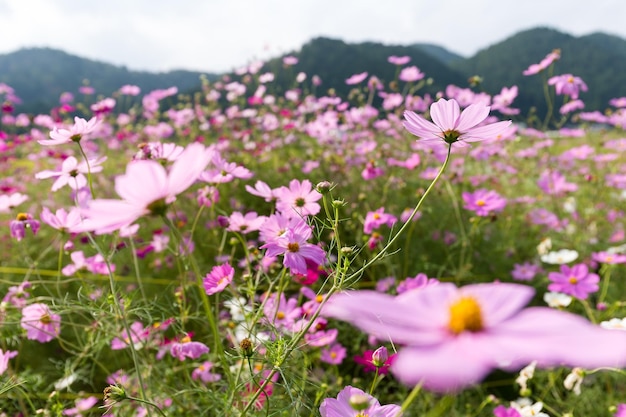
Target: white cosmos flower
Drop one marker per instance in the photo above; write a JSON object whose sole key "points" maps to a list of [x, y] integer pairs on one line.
{"points": [[614, 324], [557, 299], [560, 257]]}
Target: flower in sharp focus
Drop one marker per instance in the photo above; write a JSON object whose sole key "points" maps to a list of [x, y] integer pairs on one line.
{"points": [[72, 173], [454, 337], [40, 323], [353, 402], [452, 126]]}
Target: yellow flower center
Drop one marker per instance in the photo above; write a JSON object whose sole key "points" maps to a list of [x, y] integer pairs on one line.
{"points": [[573, 280], [480, 203], [293, 247], [465, 315], [185, 339], [45, 319], [280, 315]]}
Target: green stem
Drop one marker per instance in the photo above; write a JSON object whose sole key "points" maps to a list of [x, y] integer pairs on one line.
{"points": [[406, 224], [409, 399], [89, 180]]}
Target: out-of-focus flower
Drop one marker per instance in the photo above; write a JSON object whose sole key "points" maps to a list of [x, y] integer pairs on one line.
{"points": [[560, 257], [75, 133], [352, 402], [40, 323], [22, 222]]}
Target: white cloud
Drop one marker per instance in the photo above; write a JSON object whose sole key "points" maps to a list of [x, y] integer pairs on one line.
{"points": [[219, 35]]}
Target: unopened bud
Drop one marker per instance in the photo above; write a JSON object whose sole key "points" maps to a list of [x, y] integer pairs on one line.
{"points": [[359, 402], [323, 187], [380, 356], [246, 347]]}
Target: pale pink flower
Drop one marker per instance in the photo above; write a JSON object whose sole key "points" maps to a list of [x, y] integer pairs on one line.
{"points": [[454, 337], [146, 189], [299, 199], [410, 74], [61, 220], [9, 202], [75, 133], [356, 78], [451, 126], [40, 323], [72, 173], [4, 359]]}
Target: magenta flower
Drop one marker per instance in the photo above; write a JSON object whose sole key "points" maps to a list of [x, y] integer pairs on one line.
{"points": [[567, 85], [484, 202], [454, 337], [296, 250], [452, 126], [333, 354], [352, 402], [502, 411], [299, 199], [188, 349], [218, 279], [40, 323], [22, 222], [375, 219], [575, 281], [146, 189], [75, 133], [367, 361]]}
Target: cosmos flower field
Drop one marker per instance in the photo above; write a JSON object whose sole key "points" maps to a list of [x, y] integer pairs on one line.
{"points": [[245, 253]]}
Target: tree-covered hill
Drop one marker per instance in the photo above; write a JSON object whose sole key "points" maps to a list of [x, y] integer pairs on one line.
{"points": [[40, 75]]}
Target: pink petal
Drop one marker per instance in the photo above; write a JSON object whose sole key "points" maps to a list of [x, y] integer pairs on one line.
{"points": [[188, 167], [499, 302], [490, 131], [421, 127], [143, 183], [471, 116], [445, 113]]}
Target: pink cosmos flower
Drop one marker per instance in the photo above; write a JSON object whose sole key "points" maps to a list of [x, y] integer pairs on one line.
{"points": [[245, 223], [608, 257], [454, 337], [82, 405], [451, 126], [545, 63], [525, 272], [375, 219], [204, 374], [81, 128], [299, 199], [554, 183], [343, 405], [72, 173], [22, 222], [61, 220], [410, 74], [575, 281], [139, 337], [295, 248], [484, 202], [366, 360], [146, 189], [421, 280], [333, 354], [188, 349], [218, 279], [4, 359], [40, 323], [10, 201], [567, 85], [356, 78], [398, 60]]}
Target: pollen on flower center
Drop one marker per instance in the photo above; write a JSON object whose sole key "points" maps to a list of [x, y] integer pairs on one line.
{"points": [[293, 247], [280, 315], [451, 136], [45, 319], [480, 203], [465, 315], [573, 280], [21, 217]]}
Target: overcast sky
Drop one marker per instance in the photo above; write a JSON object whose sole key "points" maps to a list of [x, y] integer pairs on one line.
{"points": [[220, 35]]}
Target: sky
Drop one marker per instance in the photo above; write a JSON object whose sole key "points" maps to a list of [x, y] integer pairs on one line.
{"points": [[221, 35]]}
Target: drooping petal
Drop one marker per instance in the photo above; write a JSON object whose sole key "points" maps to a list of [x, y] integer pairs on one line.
{"points": [[105, 216], [445, 114]]}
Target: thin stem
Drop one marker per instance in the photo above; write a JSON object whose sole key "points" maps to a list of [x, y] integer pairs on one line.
{"points": [[409, 399], [89, 180], [406, 224]]}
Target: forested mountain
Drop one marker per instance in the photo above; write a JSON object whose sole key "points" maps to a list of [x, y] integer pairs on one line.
{"points": [[334, 61], [40, 75], [599, 59]]}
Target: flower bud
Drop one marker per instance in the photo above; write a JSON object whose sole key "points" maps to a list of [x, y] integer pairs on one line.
{"points": [[359, 402], [380, 356]]}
